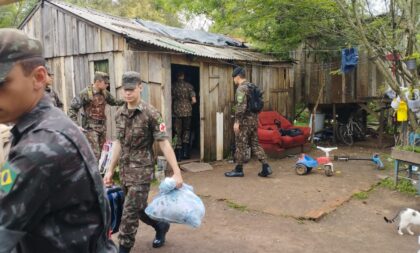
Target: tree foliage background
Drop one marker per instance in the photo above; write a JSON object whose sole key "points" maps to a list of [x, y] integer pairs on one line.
{"points": [[13, 14], [273, 25]]}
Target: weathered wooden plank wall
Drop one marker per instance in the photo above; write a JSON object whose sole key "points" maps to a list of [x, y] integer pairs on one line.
{"points": [[63, 34], [73, 45], [352, 87]]}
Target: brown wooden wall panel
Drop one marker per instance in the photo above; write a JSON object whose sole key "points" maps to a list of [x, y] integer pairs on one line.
{"points": [[107, 41], [336, 91], [81, 31], [69, 80], [167, 93], [63, 37], [363, 76], [206, 114], [155, 66]]}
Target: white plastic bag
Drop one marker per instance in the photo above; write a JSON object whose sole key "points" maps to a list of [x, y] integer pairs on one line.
{"points": [[414, 104], [176, 205], [105, 159], [395, 103]]}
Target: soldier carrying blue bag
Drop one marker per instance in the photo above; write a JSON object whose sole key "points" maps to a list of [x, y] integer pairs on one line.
{"points": [[138, 125]]}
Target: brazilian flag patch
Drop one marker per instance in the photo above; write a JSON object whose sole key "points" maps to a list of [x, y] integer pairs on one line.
{"points": [[7, 178], [240, 97]]}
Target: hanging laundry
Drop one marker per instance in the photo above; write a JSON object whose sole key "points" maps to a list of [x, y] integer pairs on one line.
{"points": [[402, 112], [349, 59]]}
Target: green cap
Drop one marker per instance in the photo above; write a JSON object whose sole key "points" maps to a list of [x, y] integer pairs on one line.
{"points": [[15, 45], [130, 80]]}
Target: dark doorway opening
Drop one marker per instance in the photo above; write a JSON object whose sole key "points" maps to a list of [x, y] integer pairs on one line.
{"points": [[192, 76]]}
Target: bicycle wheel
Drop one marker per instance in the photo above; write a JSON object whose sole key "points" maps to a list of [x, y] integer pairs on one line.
{"points": [[345, 135]]}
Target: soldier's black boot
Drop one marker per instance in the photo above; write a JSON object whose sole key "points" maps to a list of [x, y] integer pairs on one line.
{"points": [[236, 172], [124, 249], [161, 229], [266, 170], [186, 151], [178, 154]]}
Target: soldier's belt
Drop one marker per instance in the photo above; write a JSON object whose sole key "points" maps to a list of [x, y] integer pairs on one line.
{"points": [[96, 121]]}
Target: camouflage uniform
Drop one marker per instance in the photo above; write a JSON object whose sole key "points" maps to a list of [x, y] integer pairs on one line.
{"points": [[51, 195], [248, 128], [93, 117], [182, 93], [54, 97], [137, 130]]}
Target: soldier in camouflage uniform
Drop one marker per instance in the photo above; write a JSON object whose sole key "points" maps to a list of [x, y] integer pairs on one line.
{"points": [[50, 91], [52, 198], [93, 100], [183, 97], [245, 128], [138, 125]]}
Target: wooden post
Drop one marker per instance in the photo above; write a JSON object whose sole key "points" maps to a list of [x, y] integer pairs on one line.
{"points": [[321, 90], [381, 127], [219, 136], [334, 123], [396, 170]]}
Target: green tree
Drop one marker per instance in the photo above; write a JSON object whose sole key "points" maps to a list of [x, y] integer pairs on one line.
{"points": [[272, 25], [144, 9], [11, 15], [394, 32]]}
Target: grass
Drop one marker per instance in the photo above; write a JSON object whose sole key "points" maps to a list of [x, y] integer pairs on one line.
{"points": [[404, 186], [361, 195], [236, 206], [415, 149], [387, 161]]}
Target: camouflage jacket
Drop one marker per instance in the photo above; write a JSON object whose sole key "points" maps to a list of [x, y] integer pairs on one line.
{"points": [[182, 93], [137, 130], [242, 115], [93, 104], [51, 194], [54, 97]]}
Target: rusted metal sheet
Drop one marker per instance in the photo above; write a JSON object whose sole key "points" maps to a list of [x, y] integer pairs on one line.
{"points": [[131, 29]]}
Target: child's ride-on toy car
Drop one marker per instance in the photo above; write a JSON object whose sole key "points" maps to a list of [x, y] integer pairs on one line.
{"points": [[305, 163]]}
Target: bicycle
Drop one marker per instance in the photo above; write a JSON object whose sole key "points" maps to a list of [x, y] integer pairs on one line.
{"points": [[350, 131]]}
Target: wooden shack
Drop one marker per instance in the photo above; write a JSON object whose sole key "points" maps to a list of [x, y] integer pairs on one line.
{"points": [[79, 41], [341, 91]]}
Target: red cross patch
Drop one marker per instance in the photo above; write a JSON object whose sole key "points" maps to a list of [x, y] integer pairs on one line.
{"points": [[162, 127]]}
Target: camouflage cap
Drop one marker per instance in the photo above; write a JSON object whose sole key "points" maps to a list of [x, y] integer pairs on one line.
{"points": [[130, 80], [238, 71], [15, 45], [101, 76]]}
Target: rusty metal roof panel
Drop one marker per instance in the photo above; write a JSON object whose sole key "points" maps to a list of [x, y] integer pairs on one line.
{"points": [[134, 30]]}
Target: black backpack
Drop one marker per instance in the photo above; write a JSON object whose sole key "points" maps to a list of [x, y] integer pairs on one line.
{"points": [[255, 102]]}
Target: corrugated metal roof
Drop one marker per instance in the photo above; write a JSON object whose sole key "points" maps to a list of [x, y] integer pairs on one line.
{"points": [[132, 29]]}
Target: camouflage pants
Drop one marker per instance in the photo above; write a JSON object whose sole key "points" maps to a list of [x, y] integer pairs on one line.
{"points": [[134, 204], [248, 137], [96, 136], [182, 129]]}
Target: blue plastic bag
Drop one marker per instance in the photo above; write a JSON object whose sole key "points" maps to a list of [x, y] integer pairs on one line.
{"points": [[173, 205]]}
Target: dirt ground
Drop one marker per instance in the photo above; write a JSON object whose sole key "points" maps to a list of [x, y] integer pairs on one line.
{"points": [[253, 214]]}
